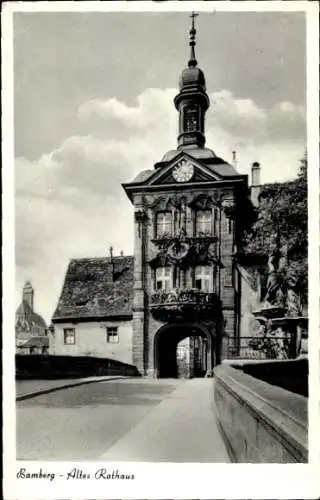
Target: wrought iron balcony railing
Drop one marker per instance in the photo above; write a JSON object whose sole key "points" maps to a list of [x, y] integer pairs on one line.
{"points": [[180, 303]]}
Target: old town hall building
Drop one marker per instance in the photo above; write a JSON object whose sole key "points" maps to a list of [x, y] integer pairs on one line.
{"points": [[180, 283], [186, 233]]}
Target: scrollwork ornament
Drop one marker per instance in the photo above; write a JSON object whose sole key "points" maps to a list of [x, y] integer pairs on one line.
{"points": [[228, 206], [178, 251], [212, 250]]}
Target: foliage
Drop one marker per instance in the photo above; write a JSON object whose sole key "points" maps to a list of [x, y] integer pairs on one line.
{"points": [[282, 219], [273, 347]]}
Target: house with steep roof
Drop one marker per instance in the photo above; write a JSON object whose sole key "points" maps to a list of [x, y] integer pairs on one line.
{"points": [[30, 327], [94, 312]]}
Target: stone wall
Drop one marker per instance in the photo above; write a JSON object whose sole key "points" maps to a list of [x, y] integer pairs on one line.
{"points": [[261, 423], [64, 367]]}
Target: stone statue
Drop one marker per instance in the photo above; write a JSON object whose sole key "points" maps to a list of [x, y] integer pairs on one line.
{"points": [[276, 264], [273, 284]]}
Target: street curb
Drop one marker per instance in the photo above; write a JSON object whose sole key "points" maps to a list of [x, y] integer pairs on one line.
{"points": [[40, 392]]}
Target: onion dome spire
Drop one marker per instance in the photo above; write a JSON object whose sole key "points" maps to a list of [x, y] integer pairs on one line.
{"points": [[192, 100]]}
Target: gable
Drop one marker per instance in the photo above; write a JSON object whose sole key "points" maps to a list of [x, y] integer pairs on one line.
{"points": [[183, 170]]}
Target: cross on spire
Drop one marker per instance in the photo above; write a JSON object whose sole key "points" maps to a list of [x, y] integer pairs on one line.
{"points": [[192, 38], [193, 15]]}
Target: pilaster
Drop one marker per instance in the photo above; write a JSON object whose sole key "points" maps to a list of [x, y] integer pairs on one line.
{"points": [[139, 321]]}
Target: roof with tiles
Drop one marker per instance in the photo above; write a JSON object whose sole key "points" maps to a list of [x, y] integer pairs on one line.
{"points": [[26, 318], [96, 288], [35, 342]]}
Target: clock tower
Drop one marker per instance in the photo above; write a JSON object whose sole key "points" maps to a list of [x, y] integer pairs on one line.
{"points": [[192, 101], [187, 228]]}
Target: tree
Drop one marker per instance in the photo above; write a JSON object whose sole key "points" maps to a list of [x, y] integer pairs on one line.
{"points": [[282, 219]]}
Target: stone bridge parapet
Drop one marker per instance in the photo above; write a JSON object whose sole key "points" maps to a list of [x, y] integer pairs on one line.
{"points": [[261, 422]]}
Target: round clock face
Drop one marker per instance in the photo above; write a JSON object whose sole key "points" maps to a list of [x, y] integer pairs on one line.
{"points": [[183, 171]]}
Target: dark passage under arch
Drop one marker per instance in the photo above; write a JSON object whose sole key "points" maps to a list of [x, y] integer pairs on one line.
{"points": [[165, 348]]}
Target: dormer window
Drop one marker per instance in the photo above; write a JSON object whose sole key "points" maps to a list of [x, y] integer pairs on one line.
{"points": [[164, 223], [203, 222]]}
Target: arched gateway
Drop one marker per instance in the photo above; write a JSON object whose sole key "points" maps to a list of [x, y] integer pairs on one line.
{"points": [[166, 342], [187, 216]]}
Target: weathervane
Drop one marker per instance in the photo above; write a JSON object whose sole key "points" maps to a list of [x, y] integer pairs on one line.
{"points": [[192, 42]]}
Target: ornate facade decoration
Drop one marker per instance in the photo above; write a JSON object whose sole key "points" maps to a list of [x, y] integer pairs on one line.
{"points": [[229, 207], [204, 201], [185, 251], [140, 216], [169, 202], [182, 304]]}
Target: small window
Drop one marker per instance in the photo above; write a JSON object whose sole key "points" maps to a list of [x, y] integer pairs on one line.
{"points": [[164, 223], [69, 336], [163, 278], [203, 222], [112, 335]]}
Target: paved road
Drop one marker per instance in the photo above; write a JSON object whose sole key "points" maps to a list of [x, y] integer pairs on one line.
{"points": [[135, 419]]}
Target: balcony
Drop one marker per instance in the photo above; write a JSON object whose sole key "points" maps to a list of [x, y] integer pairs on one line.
{"points": [[183, 304], [164, 240]]}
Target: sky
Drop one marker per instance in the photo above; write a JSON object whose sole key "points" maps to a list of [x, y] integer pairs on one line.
{"points": [[93, 106]]}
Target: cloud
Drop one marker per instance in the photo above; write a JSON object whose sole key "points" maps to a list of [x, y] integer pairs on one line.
{"points": [[151, 110], [70, 202], [242, 118]]}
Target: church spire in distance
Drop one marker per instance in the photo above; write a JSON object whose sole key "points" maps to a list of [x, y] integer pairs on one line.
{"points": [[192, 101]]}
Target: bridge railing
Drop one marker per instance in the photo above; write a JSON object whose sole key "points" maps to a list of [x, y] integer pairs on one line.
{"points": [[266, 347]]}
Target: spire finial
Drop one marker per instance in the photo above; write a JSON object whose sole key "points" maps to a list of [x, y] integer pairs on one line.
{"points": [[192, 42]]}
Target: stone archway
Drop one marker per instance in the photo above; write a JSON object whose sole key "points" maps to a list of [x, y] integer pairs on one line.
{"points": [[165, 347]]}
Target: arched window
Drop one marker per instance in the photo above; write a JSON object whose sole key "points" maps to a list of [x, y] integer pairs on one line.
{"points": [[204, 222], [163, 278], [164, 223], [191, 119], [203, 278]]}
